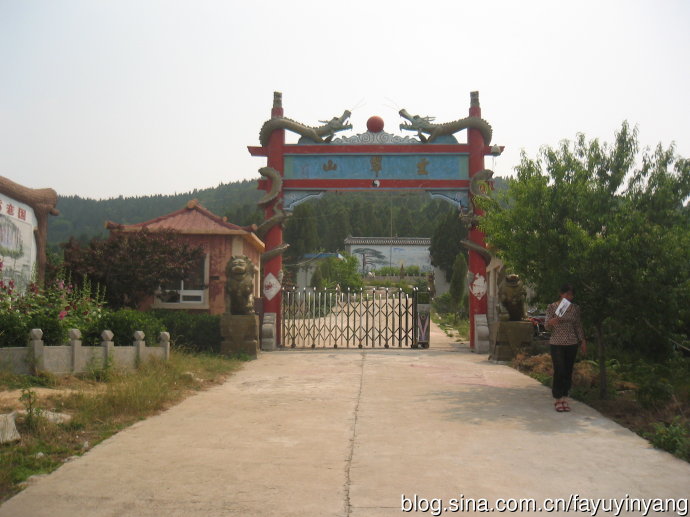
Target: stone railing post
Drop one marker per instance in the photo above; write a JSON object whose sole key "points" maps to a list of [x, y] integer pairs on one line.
{"points": [[139, 345], [164, 343], [36, 359], [108, 346], [268, 332], [75, 343]]}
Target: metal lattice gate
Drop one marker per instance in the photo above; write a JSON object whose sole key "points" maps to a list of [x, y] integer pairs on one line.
{"points": [[382, 318]]}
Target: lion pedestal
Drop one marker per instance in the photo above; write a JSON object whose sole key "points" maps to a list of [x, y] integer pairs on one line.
{"points": [[240, 334], [507, 337], [511, 332]]}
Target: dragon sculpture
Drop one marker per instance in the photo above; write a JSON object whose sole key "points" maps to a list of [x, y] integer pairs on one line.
{"points": [[279, 215], [276, 186], [426, 125], [470, 219], [317, 134], [481, 250], [479, 179]]}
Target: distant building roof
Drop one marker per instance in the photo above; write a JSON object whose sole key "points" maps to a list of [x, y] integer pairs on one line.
{"points": [[322, 255], [388, 241], [193, 219]]}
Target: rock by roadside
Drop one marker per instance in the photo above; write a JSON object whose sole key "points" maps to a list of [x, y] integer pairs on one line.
{"points": [[8, 428]]}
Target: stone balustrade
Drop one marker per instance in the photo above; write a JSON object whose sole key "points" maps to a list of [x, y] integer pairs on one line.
{"points": [[76, 358]]}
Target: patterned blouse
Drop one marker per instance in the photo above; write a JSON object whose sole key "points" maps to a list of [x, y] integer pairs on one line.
{"points": [[569, 330]]}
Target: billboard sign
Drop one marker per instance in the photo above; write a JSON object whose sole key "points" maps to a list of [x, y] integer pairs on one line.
{"points": [[17, 242]]}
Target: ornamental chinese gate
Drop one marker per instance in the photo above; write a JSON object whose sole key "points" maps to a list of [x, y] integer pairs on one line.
{"points": [[433, 161], [367, 318]]}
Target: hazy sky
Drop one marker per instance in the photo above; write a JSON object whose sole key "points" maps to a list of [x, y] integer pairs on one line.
{"points": [[102, 98]]}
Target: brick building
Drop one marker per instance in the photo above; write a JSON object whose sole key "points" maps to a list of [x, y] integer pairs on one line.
{"points": [[204, 288]]}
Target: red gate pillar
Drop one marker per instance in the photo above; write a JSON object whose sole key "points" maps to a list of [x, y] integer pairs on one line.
{"points": [[274, 237], [476, 265]]}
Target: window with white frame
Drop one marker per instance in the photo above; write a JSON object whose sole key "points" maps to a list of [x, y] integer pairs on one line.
{"points": [[192, 289]]}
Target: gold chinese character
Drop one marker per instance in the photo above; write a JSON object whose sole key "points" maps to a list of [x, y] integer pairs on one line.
{"points": [[421, 167], [376, 164], [330, 166]]}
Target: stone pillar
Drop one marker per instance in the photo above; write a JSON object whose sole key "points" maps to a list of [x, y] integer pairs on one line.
{"points": [[36, 347], [240, 334], [481, 334], [268, 332], [108, 346], [139, 345], [507, 337], [75, 343], [164, 343]]}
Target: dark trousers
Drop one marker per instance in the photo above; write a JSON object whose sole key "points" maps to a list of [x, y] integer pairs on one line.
{"points": [[563, 357]]}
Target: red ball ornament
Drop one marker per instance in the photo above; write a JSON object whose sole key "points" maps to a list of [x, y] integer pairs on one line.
{"points": [[375, 124]]}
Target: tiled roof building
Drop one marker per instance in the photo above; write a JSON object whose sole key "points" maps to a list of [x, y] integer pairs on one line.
{"points": [[204, 290]]}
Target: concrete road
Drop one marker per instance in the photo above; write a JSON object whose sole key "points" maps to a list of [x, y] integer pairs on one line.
{"points": [[366, 434]]}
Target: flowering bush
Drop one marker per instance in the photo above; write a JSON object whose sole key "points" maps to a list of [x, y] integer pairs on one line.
{"points": [[55, 309]]}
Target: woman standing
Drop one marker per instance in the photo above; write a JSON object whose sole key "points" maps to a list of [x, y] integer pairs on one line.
{"points": [[563, 317]]}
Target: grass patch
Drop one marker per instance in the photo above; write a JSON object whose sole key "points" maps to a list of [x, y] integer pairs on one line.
{"points": [[100, 405], [14, 381], [453, 325]]}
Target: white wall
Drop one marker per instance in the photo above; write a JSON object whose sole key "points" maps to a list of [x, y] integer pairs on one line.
{"points": [[395, 255]]}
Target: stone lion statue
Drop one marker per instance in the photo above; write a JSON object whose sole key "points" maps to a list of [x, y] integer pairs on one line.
{"points": [[239, 289], [512, 294]]}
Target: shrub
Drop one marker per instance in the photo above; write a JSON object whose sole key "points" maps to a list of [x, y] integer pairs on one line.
{"points": [[673, 437], [54, 329], [335, 272], [413, 271], [125, 322], [192, 331], [396, 271], [131, 266], [654, 392], [54, 310], [443, 304], [12, 329]]}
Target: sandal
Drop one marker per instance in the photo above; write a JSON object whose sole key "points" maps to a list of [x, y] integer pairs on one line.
{"points": [[564, 406], [559, 406]]}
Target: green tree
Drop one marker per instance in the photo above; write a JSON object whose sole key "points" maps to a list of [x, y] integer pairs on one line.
{"points": [[403, 223], [445, 242], [132, 266], [458, 284], [300, 231], [333, 272], [609, 221]]}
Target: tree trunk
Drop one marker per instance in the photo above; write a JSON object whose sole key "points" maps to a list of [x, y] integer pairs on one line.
{"points": [[603, 382]]}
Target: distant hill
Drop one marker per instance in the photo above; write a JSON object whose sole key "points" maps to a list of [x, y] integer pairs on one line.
{"points": [[84, 218], [317, 225]]}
